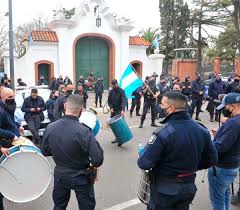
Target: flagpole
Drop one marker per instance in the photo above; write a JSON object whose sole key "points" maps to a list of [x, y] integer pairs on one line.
{"points": [[142, 80]]}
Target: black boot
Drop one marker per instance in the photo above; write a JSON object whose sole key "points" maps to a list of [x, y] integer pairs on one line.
{"points": [[153, 124], [138, 115], [131, 114]]}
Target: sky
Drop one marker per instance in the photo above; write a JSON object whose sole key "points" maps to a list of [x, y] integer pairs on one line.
{"points": [[144, 13]]}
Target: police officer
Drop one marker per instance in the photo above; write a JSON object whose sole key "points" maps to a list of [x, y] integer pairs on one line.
{"points": [[116, 99], [116, 102], [9, 129], [33, 106], [186, 87], [59, 105], [231, 87], [150, 92], [74, 150], [198, 89], [98, 89], [42, 81], [136, 101], [216, 88], [227, 143], [174, 153]]}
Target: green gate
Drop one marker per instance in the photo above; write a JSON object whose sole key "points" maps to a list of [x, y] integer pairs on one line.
{"points": [[44, 70], [92, 55]]}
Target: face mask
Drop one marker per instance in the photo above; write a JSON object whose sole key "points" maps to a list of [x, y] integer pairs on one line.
{"points": [[11, 104], [69, 92], [227, 113], [55, 97], [236, 80], [198, 78]]}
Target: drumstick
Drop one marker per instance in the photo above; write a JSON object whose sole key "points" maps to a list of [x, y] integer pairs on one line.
{"points": [[10, 174]]}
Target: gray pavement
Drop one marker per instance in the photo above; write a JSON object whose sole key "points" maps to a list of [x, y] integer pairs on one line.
{"points": [[119, 176]]}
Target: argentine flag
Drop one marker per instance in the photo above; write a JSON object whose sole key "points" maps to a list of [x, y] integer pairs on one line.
{"points": [[155, 42], [129, 81]]}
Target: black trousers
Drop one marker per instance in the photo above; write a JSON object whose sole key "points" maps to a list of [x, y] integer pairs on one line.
{"points": [[149, 104], [98, 96], [33, 124], [136, 102], [1, 202], [116, 112], [211, 108], [179, 198], [196, 102], [83, 189]]}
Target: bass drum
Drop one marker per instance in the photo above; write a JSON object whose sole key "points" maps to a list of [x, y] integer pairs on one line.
{"points": [[144, 188], [89, 118], [25, 174]]}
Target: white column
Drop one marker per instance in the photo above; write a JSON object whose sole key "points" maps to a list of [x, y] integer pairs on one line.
{"points": [[157, 62]]}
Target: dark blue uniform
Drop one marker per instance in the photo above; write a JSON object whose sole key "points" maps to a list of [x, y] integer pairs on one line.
{"points": [[136, 101], [197, 87], [74, 148], [174, 153]]}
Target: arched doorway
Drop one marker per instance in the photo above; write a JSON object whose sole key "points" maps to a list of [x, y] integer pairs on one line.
{"points": [[137, 65], [44, 68], [94, 53]]}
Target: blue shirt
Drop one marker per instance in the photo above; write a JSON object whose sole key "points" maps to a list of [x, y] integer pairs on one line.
{"points": [[181, 146], [227, 143]]}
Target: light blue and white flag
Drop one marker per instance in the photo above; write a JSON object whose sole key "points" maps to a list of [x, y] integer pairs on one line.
{"points": [[156, 42], [130, 81]]}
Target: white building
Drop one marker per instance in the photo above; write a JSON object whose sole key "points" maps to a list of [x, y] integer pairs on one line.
{"points": [[93, 40]]}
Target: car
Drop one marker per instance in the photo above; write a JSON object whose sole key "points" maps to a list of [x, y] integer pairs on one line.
{"points": [[21, 94]]}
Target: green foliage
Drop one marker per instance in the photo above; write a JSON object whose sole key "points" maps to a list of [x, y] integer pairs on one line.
{"points": [[69, 13], [149, 35]]}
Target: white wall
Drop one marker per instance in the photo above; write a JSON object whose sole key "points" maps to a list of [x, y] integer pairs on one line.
{"points": [[149, 65], [25, 67], [87, 24]]}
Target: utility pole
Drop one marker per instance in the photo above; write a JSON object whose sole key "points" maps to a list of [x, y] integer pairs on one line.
{"points": [[10, 34]]}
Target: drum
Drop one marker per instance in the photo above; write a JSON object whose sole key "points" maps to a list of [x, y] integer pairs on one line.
{"points": [[144, 188], [89, 118], [25, 174], [120, 129]]}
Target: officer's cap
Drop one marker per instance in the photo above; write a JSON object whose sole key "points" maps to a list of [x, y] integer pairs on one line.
{"points": [[231, 98]]}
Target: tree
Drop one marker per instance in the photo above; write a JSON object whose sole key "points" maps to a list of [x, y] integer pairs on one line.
{"points": [[206, 15], [175, 24], [149, 35], [68, 13], [226, 44], [235, 14]]}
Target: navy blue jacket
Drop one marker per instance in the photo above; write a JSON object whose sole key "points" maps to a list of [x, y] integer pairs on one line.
{"points": [[59, 106], [50, 106], [29, 103], [231, 87], [197, 86], [216, 88], [137, 93], [180, 146], [117, 99], [227, 142], [98, 87], [8, 126], [72, 145]]}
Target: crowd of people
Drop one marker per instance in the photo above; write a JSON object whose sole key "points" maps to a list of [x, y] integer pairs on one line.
{"points": [[174, 153]]}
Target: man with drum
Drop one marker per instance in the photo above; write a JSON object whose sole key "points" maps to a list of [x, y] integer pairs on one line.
{"points": [[116, 101], [9, 129], [75, 152], [173, 154]]}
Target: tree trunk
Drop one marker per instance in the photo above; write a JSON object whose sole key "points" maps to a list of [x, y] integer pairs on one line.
{"points": [[174, 25], [236, 15], [199, 64]]}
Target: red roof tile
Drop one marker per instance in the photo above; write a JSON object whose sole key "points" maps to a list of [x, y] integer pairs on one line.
{"points": [[44, 36], [137, 40]]}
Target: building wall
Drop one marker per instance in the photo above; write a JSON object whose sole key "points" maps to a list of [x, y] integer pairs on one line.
{"points": [[139, 53], [84, 25], [25, 66]]}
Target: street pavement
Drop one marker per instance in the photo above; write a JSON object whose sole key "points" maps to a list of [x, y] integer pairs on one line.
{"points": [[119, 176]]}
